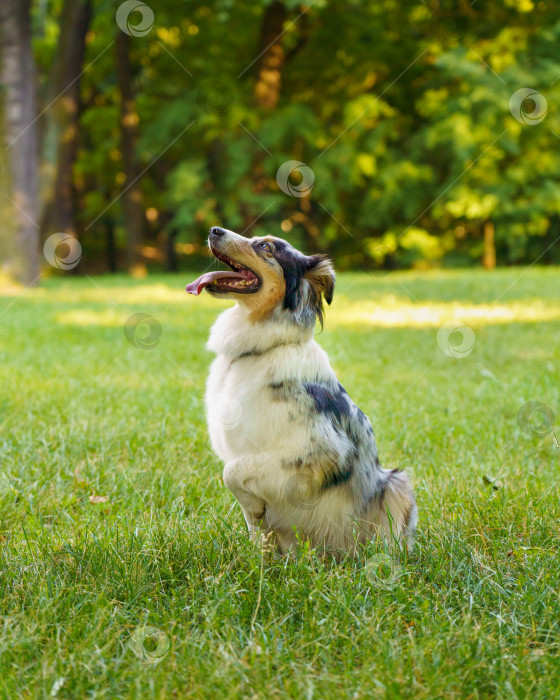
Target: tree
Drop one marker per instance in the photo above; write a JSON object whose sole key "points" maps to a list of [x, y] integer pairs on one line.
{"points": [[62, 119], [20, 138], [132, 194], [399, 109]]}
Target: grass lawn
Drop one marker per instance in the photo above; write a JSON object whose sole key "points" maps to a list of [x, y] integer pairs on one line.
{"points": [[114, 519]]}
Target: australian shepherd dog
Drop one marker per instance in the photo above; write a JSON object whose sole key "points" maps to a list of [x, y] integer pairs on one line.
{"points": [[300, 457]]}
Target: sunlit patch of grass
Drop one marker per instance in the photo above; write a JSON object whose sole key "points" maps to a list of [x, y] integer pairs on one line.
{"points": [[391, 311], [88, 317], [86, 414]]}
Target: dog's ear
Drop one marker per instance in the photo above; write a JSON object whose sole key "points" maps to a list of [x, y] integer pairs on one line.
{"points": [[320, 275], [321, 278]]}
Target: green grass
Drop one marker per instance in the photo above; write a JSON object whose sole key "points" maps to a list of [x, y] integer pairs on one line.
{"points": [[476, 609]]}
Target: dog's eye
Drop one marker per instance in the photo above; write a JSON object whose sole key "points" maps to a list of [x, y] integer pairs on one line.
{"points": [[266, 246]]}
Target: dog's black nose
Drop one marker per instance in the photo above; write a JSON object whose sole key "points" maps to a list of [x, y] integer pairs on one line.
{"points": [[217, 231]]}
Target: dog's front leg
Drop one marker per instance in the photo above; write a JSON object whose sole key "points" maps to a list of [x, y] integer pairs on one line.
{"points": [[250, 478], [253, 507]]}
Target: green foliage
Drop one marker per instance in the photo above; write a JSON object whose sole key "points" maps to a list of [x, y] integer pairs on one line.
{"points": [[400, 109]]}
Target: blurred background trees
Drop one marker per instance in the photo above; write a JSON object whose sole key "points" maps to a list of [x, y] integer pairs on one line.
{"points": [[135, 140]]}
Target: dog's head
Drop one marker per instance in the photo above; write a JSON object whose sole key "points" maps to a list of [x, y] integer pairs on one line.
{"points": [[268, 274]]}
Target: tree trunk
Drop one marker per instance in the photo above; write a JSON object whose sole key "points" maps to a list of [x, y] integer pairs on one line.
{"points": [[20, 113], [171, 261], [110, 249], [489, 258], [132, 197], [63, 118], [271, 62]]}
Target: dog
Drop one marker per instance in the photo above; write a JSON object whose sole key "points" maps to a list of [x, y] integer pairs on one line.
{"points": [[300, 457]]}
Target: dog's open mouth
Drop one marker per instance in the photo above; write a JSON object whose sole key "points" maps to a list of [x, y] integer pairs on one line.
{"points": [[238, 279]]}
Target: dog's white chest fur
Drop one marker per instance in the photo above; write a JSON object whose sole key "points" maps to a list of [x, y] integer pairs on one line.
{"points": [[244, 414]]}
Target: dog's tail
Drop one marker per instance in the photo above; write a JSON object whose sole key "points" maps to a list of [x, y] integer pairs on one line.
{"points": [[399, 513]]}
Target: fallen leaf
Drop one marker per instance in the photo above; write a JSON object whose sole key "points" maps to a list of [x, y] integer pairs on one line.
{"points": [[98, 499]]}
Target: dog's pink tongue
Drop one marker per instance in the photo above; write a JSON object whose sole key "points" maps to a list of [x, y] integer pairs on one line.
{"points": [[209, 277]]}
